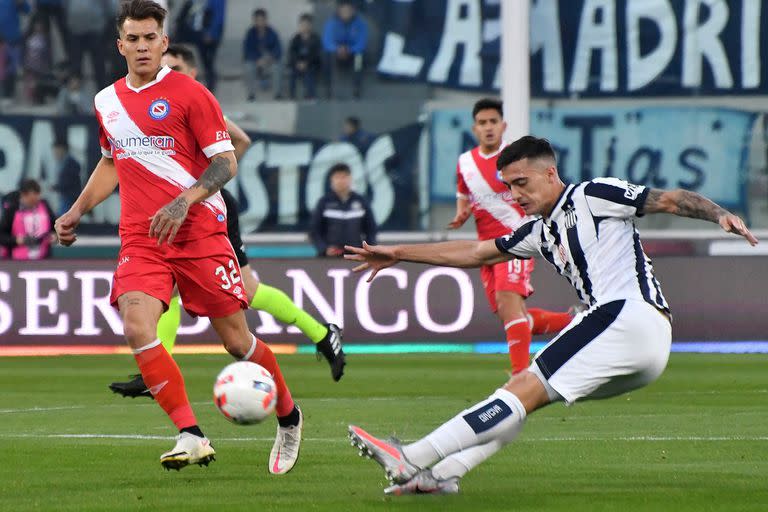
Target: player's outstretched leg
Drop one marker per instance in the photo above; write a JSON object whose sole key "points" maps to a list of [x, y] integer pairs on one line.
{"points": [[167, 327], [495, 421], [327, 338], [285, 451], [443, 477]]}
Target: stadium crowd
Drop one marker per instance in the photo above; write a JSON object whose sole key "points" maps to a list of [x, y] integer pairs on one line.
{"points": [[44, 45]]}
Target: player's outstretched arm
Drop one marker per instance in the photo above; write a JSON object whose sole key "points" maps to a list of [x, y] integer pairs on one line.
{"points": [[168, 219], [685, 203], [457, 253], [100, 186]]}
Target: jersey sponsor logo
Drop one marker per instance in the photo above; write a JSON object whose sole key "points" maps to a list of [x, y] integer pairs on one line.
{"points": [[488, 416], [146, 145], [112, 116], [159, 109]]}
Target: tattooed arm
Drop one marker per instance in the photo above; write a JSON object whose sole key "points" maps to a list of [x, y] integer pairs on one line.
{"points": [[167, 221], [685, 203]]}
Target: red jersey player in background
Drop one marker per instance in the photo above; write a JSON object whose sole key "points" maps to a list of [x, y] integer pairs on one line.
{"points": [[480, 193], [165, 143]]}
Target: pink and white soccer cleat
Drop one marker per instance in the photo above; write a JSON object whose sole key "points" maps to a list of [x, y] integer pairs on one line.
{"points": [[285, 451], [388, 454]]}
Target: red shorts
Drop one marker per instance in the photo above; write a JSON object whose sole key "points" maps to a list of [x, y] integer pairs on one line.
{"points": [[510, 276], [206, 271]]}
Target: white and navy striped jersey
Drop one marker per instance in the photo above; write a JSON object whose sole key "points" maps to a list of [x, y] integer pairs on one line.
{"points": [[591, 239]]}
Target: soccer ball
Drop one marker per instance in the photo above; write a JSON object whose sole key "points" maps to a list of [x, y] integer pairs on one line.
{"points": [[245, 393]]}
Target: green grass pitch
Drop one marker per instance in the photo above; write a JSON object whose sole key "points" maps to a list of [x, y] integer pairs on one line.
{"points": [[696, 440]]}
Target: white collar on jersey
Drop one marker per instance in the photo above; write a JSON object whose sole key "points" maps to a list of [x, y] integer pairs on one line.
{"points": [[160, 75], [504, 144]]}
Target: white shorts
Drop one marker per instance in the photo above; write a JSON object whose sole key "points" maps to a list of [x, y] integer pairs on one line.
{"points": [[605, 351]]}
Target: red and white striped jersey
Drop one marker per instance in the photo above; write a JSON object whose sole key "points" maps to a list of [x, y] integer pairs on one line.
{"points": [[161, 137], [496, 213]]}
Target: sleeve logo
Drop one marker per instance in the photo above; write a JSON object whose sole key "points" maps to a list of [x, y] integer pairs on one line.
{"points": [[632, 191]]}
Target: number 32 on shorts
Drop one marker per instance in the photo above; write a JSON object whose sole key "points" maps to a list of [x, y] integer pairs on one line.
{"points": [[228, 279]]}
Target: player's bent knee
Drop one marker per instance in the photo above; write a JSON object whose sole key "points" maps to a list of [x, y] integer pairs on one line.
{"points": [[234, 335], [236, 348], [531, 392], [138, 331]]}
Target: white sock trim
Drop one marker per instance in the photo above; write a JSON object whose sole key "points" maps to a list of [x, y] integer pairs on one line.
{"points": [[147, 347], [515, 322], [513, 401], [251, 350]]}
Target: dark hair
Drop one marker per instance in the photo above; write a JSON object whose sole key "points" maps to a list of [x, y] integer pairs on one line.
{"points": [[306, 17], [525, 147], [29, 185], [340, 167], [354, 121], [486, 104], [182, 52], [61, 143], [260, 12], [140, 10]]}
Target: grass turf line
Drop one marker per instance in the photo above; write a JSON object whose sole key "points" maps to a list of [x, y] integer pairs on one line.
{"points": [[695, 440]]}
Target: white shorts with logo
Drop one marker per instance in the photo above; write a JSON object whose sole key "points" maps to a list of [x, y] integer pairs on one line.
{"points": [[605, 351]]}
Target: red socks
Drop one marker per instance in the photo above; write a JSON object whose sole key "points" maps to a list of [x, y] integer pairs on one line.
{"points": [[519, 343], [165, 382], [546, 322], [262, 355]]}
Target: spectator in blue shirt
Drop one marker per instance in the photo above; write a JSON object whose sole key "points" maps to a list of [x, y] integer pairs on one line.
{"points": [[261, 53], [11, 42], [345, 39]]}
